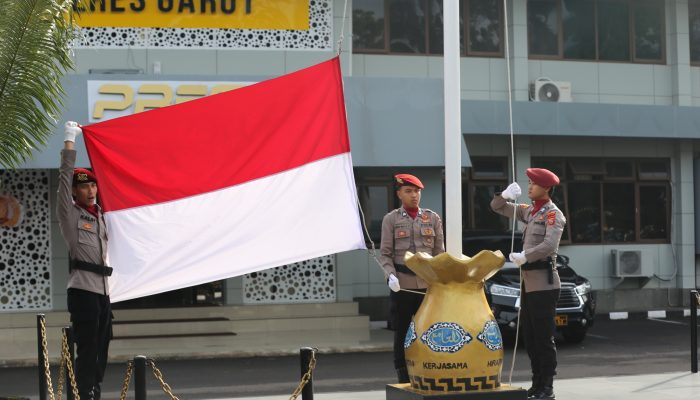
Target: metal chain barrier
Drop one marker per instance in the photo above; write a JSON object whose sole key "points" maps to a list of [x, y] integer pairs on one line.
{"points": [[306, 378], [67, 360], [127, 379], [47, 370], [159, 375], [65, 363]]}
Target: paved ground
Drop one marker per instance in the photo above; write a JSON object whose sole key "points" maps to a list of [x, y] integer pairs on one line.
{"points": [[624, 356]]}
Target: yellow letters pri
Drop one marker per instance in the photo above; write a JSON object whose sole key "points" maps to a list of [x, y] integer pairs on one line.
{"points": [[114, 105], [165, 90]]}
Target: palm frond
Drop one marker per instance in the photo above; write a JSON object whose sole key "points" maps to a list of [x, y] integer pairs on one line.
{"points": [[35, 44]]}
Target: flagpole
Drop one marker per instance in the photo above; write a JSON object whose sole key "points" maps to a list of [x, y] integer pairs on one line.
{"points": [[453, 129]]}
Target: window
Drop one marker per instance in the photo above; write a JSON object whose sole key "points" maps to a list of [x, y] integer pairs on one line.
{"points": [[377, 197], [613, 200], [606, 30], [416, 27], [485, 178], [368, 25], [694, 25]]}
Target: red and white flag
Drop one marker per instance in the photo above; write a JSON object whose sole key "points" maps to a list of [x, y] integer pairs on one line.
{"points": [[228, 184]]}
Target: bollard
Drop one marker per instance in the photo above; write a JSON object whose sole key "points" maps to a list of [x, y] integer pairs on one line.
{"points": [[43, 389], [694, 331], [306, 353], [68, 331], [140, 377]]}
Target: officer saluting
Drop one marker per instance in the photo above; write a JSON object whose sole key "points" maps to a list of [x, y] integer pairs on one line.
{"points": [[413, 229], [541, 285], [84, 230]]}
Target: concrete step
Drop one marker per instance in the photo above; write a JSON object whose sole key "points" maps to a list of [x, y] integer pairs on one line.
{"points": [[239, 312], [123, 330]]}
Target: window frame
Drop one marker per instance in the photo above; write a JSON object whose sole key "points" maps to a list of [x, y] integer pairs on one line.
{"points": [[464, 10], [696, 6], [636, 180], [631, 41], [638, 212]]}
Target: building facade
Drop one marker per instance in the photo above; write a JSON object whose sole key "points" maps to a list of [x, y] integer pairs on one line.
{"points": [[623, 135]]}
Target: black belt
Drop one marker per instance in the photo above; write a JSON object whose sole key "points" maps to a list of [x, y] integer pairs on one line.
{"points": [[90, 267], [403, 269], [548, 264]]}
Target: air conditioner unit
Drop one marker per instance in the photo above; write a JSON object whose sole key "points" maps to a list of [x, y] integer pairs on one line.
{"points": [[628, 264], [545, 89]]}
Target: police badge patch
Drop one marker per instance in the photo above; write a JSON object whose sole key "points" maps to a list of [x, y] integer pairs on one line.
{"points": [[410, 335], [490, 336], [445, 337]]}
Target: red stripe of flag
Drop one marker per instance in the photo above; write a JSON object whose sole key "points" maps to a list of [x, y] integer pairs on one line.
{"points": [[221, 140]]}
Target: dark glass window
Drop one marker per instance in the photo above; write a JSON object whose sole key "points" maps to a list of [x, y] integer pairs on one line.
{"points": [[578, 28], [618, 213], [653, 216], [584, 211], [375, 202], [648, 30], [613, 30], [543, 27], [484, 26], [694, 25], [484, 218], [613, 200], [407, 26], [368, 25], [416, 27]]}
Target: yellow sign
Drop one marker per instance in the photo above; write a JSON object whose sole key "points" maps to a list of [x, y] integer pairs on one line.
{"points": [[232, 14]]}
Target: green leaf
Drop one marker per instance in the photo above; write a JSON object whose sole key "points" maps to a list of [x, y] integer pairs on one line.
{"points": [[36, 39]]}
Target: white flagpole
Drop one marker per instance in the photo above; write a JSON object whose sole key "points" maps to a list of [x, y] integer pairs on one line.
{"points": [[453, 129]]}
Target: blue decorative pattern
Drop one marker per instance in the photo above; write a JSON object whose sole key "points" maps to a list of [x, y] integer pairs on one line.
{"points": [[491, 336], [445, 337], [410, 335]]}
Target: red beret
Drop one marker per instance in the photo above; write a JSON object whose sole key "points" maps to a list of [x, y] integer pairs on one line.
{"points": [[543, 177], [82, 175], [406, 179]]}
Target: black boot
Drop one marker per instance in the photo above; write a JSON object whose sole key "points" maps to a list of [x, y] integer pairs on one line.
{"points": [[402, 374], [546, 392], [536, 386], [96, 391]]}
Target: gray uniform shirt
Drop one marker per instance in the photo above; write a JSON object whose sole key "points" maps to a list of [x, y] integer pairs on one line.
{"points": [[540, 238], [401, 233], [85, 235]]}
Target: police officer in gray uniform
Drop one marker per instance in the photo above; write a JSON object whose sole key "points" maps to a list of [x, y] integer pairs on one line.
{"points": [[541, 285], [83, 227], [414, 229]]}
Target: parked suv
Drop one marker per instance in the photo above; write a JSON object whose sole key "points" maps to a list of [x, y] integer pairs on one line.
{"points": [[576, 305]]}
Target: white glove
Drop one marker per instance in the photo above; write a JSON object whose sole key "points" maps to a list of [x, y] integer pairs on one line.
{"points": [[512, 192], [72, 130], [518, 258], [394, 283]]}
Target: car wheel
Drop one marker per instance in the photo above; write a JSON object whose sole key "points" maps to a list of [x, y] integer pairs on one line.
{"points": [[574, 335]]}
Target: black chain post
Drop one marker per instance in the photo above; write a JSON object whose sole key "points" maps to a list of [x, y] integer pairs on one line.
{"points": [[140, 377], [43, 389], [694, 331], [68, 331], [306, 354]]}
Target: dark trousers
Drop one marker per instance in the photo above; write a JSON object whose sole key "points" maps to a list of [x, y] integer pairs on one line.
{"points": [[404, 306], [91, 316], [537, 318]]}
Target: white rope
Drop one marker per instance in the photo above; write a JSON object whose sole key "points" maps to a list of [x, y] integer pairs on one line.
{"points": [[512, 158], [342, 29]]}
